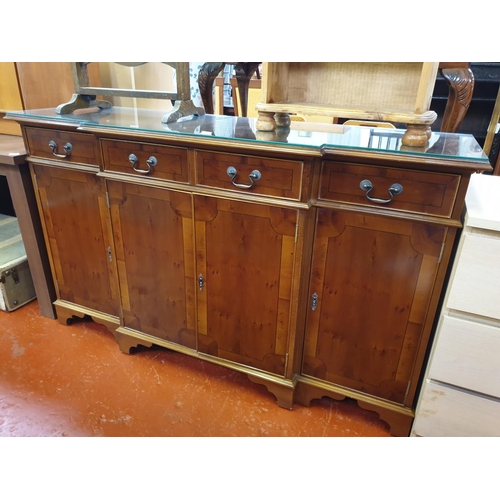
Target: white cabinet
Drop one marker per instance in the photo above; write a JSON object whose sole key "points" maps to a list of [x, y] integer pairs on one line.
{"points": [[460, 394]]}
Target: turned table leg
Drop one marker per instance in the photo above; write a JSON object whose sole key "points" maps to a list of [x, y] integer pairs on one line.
{"points": [[265, 122], [416, 135]]}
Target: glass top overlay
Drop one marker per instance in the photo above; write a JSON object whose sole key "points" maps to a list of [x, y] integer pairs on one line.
{"points": [[300, 134]]}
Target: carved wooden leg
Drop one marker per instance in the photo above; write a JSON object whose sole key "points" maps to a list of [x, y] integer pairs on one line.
{"points": [[461, 86], [305, 393], [126, 342], [206, 77], [65, 315], [416, 135], [283, 393], [80, 101], [181, 109], [244, 72], [265, 122], [400, 423]]}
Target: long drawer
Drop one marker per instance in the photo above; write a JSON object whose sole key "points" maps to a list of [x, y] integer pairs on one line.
{"points": [[422, 192], [476, 284], [448, 412], [467, 355], [146, 160], [72, 147], [252, 174]]}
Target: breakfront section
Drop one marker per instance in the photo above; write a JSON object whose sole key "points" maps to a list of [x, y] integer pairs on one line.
{"points": [[381, 245], [206, 253]]}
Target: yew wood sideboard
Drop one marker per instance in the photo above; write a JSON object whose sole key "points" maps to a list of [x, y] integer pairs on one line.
{"points": [[312, 261]]}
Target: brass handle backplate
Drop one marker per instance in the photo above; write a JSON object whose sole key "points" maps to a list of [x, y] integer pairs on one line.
{"points": [[255, 175], [394, 190], [150, 162], [67, 148]]}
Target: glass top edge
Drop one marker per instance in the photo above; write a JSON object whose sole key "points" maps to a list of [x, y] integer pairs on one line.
{"points": [[308, 135]]}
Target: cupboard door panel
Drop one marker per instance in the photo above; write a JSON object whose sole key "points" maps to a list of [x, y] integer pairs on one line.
{"points": [[154, 248], [374, 279], [76, 221], [245, 254]]}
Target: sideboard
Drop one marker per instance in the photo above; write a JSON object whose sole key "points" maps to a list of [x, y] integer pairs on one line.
{"points": [[311, 260]]}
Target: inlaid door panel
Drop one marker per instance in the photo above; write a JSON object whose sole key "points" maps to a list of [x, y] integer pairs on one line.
{"points": [[245, 265], [153, 231], [372, 280], [76, 220]]}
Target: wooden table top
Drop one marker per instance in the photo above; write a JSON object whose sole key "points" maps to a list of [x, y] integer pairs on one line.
{"points": [[12, 149]]}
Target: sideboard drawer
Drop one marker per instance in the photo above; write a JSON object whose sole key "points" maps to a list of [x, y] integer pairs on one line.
{"points": [[423, 192], [448, 412], [277, 178], [466, 355], [73, 147], [146, 160]]}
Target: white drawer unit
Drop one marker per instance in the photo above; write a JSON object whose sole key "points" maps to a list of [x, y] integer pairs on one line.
{"points": [[460, 394]]}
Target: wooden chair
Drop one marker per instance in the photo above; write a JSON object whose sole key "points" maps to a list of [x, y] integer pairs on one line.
{"points": [[490, 135]]}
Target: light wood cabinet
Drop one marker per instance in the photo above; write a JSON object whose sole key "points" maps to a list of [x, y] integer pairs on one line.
{"points": [[460, 394], [264, 256]]}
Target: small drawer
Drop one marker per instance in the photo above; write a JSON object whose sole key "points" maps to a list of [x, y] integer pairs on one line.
{"points": [[422, 192], [466, 355], [447, 412], [146, 160], [250, 174], [73, 147]]}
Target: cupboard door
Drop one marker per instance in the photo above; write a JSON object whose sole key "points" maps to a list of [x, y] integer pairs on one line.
{"points": [[372, 281], [77, 226], [244, 264], [153, 232]]}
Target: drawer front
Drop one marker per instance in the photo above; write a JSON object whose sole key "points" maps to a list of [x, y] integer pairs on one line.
{"points": [[277, 178], [467, 355], [423, 192], [447, 412], [73, 147], [148, 160], [475, 287]]}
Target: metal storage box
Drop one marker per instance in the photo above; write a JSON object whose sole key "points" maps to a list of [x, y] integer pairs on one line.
{"points": [[16, 284]]}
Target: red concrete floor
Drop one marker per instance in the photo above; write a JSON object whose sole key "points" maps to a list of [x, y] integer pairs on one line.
{"points": [[73, 380]]}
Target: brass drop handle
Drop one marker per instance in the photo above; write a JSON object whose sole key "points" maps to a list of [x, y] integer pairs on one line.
{"points": [[394, 190], [150, 162], [67, 148], [255, 175]]}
